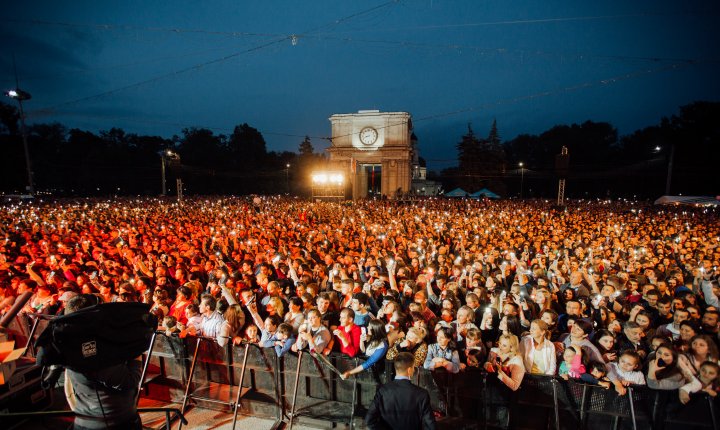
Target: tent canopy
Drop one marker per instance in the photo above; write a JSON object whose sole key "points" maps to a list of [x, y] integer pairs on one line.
{"points": [[457, 192], [688, 200], [484, 193]]}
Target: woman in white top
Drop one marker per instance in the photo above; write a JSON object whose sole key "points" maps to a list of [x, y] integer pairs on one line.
{"points": [[506, 362], [538, 353]]}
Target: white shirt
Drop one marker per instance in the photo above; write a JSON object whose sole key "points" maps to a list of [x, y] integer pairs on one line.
{"points": [[634, 377], [210, 326]]}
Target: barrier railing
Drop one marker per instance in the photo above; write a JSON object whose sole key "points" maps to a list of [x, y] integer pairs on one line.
{"points": [[307, 385], [171, 414]]}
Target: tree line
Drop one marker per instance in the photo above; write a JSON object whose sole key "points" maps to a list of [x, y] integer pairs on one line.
{"points": [[602, 164], [77, 162]]}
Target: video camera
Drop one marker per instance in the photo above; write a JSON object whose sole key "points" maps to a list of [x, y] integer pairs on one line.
{"points": [[97, 337]]}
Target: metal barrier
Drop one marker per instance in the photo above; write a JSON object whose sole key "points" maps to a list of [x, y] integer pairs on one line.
{"points": [[319, 392], [170, 415], [308, 385], [198, 370], [546, 402]]}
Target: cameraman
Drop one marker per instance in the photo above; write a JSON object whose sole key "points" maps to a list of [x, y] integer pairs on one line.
{"points": [[105, 398]]}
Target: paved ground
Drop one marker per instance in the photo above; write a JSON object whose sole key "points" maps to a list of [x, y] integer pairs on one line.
{"points": [[198, 419], [206, 419]]}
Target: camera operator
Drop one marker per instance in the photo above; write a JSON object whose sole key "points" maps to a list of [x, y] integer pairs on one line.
{"points": [[105, 398]]}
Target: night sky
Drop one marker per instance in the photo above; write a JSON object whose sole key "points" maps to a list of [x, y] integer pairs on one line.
{"points": [[285, 66]]}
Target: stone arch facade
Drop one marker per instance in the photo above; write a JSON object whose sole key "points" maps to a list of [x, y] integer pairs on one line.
{"points": [[373, 138]]}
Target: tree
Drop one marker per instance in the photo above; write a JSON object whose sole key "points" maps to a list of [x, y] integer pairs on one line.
{"points": [[247, 147], [468, 161], [306, 148], [493, 138], [491, 162], [199, 146]]}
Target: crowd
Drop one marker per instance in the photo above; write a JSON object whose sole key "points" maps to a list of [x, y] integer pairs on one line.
{"points": [[611, 293]]}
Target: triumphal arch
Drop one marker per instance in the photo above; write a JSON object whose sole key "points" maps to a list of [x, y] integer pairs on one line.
{"points": [[374, 150]]}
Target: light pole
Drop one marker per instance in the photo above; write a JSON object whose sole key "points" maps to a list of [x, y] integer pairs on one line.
{"points": [[670, 160], [522, 177], [21, 95], [287, 177], [163, 157]]}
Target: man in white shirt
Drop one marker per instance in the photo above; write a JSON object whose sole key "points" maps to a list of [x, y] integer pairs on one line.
{"points": [[211, 319]]}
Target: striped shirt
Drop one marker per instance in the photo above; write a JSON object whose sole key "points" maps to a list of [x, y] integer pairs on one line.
{"points": [[210, 326]]}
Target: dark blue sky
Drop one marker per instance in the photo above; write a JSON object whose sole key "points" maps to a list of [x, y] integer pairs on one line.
{"points": [[157, 67]]}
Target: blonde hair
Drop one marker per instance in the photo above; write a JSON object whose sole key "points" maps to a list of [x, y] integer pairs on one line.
{"points": [[417, 332], [277, 304], [512, 340]]}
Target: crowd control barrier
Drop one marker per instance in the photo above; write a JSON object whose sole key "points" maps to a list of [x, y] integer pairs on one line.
{"points": [[249, 380], [11, 419]]}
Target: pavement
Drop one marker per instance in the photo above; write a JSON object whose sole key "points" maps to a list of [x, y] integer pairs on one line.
{"points": [[209, 419], [198, 418]]}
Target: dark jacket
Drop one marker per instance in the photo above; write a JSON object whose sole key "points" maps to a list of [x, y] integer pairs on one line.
{"points": [[623, 343], [106, 398], [400, 405]]}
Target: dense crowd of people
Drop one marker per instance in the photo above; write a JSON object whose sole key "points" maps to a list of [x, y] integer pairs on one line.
{"points": [[610, 293]]}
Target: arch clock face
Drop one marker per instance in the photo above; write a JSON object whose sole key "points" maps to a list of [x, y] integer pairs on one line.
{"points": [[368, 136]]}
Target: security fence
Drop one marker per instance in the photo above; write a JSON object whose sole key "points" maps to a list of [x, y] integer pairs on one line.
{"points": [[251, 380]]}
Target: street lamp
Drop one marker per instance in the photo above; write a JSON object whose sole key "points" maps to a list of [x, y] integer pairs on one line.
{"points": [[164, 156], [287, 177], [20, 96], [670, 160], [522, 177]]}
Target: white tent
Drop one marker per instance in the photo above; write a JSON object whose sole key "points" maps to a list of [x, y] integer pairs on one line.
{"points": [[689, 200], [484, 193], [457, 192]]}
